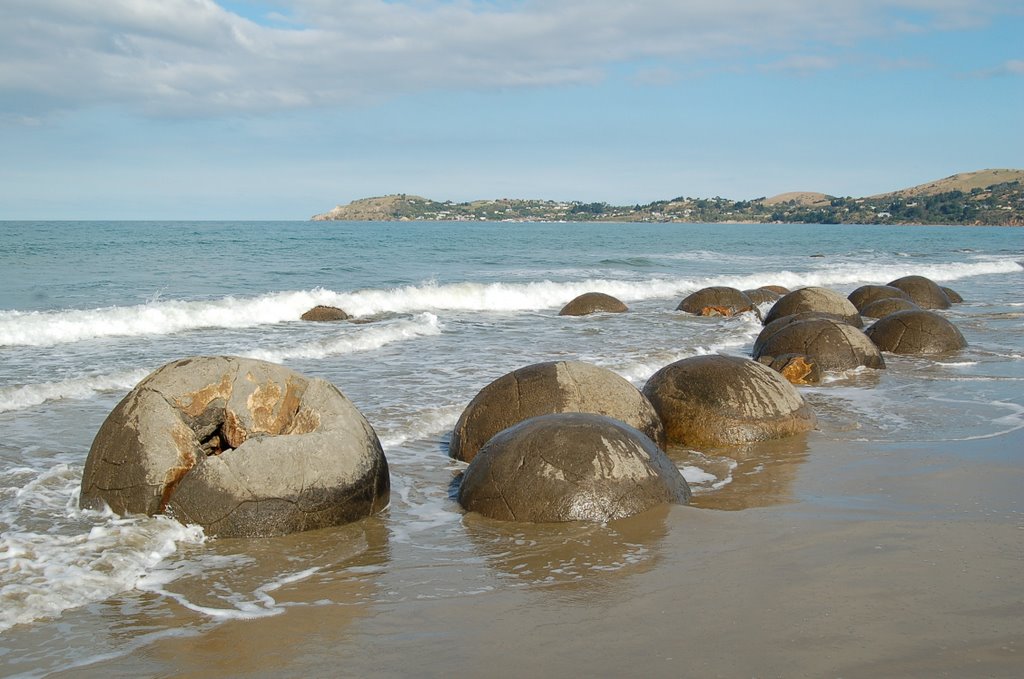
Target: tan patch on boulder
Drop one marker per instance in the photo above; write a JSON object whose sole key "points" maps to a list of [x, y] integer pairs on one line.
{"points": [[195, 403], [798, 370]]}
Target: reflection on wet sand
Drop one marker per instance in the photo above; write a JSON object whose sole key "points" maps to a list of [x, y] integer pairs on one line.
{"points": [[754, 475], [341, 566], [572, 553]]}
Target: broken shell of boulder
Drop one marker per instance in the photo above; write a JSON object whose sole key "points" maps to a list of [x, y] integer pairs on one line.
{"points": [[239, 446]]}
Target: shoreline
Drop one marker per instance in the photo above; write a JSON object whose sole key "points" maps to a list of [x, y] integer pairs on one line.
{"points": [[884, 559]]}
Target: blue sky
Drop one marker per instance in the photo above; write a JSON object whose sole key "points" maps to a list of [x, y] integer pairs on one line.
{"points": [[279, 109]]}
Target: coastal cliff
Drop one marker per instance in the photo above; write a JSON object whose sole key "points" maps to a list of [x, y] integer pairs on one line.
{"points": [[985, 197]]}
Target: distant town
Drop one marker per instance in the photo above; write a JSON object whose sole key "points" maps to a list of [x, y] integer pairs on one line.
{"points": [[986, 197]]}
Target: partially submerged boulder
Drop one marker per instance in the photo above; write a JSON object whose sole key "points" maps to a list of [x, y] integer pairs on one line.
{"points": [[777, 289], [322, 312], [719, 300], [719, 400], [239, 446], [570, 467], [866, 294], [762, 295], [952, 295], [832, 345], [889, 305], [815, 299], [546, 388], [780, 323], [924, 292], [591, 302], [916, 331]]}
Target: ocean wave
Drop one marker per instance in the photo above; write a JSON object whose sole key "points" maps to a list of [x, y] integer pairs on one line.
{"points": [[44, 573], [167, 317], [30, 395], [365, 338]]}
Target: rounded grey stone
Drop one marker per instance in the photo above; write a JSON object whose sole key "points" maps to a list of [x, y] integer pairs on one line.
{"points": [[815, 299], [832, 345], [591, 302], [916, 331], [924, 292], [570, 467], [725, 400], [889, 305], [866, 294], [719, 300], [546, 388]]}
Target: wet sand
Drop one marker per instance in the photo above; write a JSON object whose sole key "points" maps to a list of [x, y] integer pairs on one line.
{"points": [[837, 559]]}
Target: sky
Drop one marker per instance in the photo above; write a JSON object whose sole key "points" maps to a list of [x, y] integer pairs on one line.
{"points": [[280, 109]]}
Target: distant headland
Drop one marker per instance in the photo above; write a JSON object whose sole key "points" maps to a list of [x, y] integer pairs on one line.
{"points": [[985, 197]]}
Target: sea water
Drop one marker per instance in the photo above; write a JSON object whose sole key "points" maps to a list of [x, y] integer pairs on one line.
{"points": [[87, 309]]}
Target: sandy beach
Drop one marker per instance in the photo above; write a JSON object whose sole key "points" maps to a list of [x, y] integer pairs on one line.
{"points": [[870, 560]]}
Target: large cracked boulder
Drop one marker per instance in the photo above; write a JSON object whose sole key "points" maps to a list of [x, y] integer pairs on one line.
{"points": [[719, 300], [881, 308], [817, 299], [916, 332], [719, 400], [239, 446], [924, 292], [833, 345], [570, 467], [546, 388], [592, 302], [866, 294]]}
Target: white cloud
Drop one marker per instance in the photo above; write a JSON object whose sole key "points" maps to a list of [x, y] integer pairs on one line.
{"points": [[193, 57]]}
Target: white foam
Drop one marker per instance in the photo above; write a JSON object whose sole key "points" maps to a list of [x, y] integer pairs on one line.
{"points": [[30, 395], [166, 317], [44, 572], [697, 476], [356, 339]]}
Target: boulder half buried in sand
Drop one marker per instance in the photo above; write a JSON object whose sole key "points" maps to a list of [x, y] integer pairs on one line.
{"points": [[546, 388], [719, 400], [239, 446], [916, 331], [592, 302], [570, 467]]}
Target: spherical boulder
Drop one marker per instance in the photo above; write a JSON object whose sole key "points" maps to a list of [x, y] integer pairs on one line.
{"points": [[591, 302], [324, 313], [762, 295], [916, 331], [716, 301], [883, 307], [924, 292], [832, 345], [866, 294], [570, 467], [815, 299], [780, 323], [952, 295], [239, 446], [546, 388], [720, 400], [777, 289]]}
